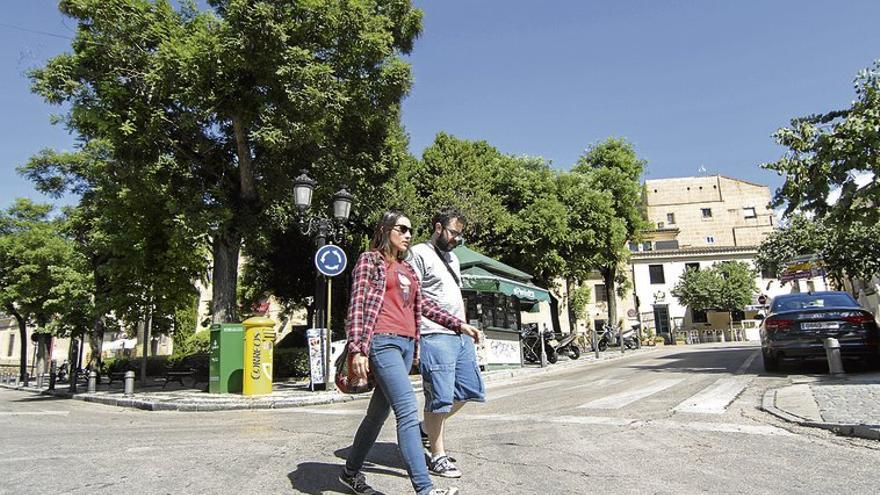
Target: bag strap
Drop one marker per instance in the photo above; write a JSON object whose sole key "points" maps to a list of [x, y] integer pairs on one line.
{"points": [[451, 271]]}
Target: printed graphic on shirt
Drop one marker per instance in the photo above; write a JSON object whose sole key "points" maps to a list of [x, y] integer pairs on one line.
{"points": [[405, 286]]}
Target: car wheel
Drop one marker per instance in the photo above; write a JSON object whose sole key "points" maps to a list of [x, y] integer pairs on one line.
{"points": [[771, 363]]}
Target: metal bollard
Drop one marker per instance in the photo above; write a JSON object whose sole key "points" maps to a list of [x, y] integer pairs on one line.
{"points": [[129, 383], [832, 352], [39, 381], [52, 371], [26, 380], [93, 381]]}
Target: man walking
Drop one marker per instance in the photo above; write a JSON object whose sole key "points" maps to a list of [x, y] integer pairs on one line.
{"points": [[448, 365]]}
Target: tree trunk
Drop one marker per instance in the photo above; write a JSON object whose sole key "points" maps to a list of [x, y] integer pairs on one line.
{"points": [[609, 275], [22, 332], [226, 250], [572, 318], [96, 341], [148, 326]]}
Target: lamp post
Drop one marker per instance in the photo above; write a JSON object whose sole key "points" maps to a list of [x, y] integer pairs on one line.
{"points": [[323, 229]]}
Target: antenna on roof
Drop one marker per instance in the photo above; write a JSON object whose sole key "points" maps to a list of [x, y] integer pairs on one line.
{"points": [[702, 170]]}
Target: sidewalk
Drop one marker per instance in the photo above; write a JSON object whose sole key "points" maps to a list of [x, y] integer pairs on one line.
{"points": [[284, 395], [847, 405]]}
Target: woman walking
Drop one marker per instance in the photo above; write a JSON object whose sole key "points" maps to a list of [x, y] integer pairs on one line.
{"points": [[382, 325]]}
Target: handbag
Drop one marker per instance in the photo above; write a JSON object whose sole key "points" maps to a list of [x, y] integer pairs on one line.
{"points": [[346, 381]]}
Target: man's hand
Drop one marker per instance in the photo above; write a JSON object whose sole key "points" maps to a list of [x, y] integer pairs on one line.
{"points": [[472, 332], [360, 365]]}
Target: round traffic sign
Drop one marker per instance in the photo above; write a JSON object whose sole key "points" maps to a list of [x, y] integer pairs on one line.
{"points": [[762, 299], [330, 260]]}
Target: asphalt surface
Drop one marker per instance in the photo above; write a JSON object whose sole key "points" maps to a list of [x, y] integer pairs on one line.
{"points": [[678, 420]]}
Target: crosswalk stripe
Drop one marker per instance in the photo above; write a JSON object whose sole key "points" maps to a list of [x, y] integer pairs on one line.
{"points": [[715, 398], [616, 401], [34, 413], [604, 382], [598, 421], [527, 388]]}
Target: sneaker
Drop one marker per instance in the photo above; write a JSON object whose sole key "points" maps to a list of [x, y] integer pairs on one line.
{"points": [[443, 466], [357, 483], [444, 491]]}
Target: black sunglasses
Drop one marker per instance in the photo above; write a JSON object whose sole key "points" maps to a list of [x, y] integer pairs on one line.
{"points": [[403, 229]]}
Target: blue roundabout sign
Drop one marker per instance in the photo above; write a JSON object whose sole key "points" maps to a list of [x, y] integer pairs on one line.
{"points": [[330, 260]]}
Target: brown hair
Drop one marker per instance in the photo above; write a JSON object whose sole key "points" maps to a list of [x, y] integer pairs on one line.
{"points": [[382, 233]]}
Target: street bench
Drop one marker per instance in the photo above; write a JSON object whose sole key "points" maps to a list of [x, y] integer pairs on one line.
{"points": [[178, 376], [117, 376]]}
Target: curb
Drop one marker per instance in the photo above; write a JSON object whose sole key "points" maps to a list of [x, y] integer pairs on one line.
{"points": [[233, 403], [768, 404]]}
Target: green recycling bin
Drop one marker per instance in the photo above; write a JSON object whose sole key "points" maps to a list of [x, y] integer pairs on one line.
{"points": [[227, 358]]}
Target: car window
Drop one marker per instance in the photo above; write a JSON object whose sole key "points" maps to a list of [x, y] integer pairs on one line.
{"points": [[809, 301]]}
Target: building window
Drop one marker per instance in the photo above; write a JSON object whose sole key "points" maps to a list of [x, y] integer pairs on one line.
{"points": [[707, 212], [670, 218], [750, 212], [811, 286], [737, 315], [647, 246], [634, 247], [656, 274], [710, 239], [600, 293], [699, 316], [11, 344], [691, 266]]}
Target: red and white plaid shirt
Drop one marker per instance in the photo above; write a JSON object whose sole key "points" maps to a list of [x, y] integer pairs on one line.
{"points": [[367, 294]]}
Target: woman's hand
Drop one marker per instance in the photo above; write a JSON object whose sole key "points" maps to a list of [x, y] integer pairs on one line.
{"points": [[360, 365]]}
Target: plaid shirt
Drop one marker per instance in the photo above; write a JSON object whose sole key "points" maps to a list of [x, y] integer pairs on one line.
{"points": [[367, 294]]}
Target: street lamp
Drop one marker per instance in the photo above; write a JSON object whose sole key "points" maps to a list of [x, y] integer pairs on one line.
{"points": [[322, 228]]}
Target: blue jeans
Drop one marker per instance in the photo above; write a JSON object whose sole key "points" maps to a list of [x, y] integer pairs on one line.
{"points": [[449, 372], [391, 358]]}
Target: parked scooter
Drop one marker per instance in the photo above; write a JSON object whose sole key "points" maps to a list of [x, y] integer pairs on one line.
{"points": [[609, 338], [532, 338], [567, 346]]}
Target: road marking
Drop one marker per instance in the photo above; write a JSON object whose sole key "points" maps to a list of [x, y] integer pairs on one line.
{"points": [[748, 362], [616, 401], [605, 382], [525, 388], [630, 422], [593, 420], [34, 413], [715, 398]]}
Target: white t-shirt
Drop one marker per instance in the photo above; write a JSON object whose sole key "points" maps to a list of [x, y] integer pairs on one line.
{"points": [[437, 283]]}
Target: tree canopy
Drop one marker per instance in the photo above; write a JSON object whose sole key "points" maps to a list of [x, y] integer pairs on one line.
{"points": [[223, 107], [726, 286]]}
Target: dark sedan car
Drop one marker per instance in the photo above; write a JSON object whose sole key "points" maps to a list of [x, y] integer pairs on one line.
{"points": [[798, 324]]}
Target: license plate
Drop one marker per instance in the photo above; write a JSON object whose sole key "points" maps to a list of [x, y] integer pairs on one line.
{"points": [[820, 325]]}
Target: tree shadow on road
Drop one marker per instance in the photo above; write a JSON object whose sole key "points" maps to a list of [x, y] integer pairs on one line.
{"points": [[315, 478]]}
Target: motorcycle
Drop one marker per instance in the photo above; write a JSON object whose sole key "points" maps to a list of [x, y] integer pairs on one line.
{"points": [[532, 340], [566, 345], [609, 338]]}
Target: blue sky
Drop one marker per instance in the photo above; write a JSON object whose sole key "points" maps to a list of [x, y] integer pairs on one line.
{"points": [[689, 83]]}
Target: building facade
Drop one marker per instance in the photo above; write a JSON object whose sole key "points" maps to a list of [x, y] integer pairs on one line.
{"points": [[698, 222]]}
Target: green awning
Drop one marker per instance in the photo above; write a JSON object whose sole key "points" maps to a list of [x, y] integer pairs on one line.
{"points": [[480, 280]]}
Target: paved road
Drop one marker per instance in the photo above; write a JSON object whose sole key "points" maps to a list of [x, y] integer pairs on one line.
{"points": [[679, 420]]}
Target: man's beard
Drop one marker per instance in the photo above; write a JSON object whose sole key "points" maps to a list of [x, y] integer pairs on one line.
{"points": [[443, 244]]}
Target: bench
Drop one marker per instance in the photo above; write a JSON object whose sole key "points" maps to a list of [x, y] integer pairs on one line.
{"points": [[117, 376], [178, 376]]}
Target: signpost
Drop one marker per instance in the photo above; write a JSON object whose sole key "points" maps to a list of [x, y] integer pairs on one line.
{"points": [[330, 260]]}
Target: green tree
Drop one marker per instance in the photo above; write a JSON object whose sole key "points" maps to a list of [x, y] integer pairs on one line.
{"points": [[225, 106], [828, 152], [614, 170], [726, 286], [33, 258], [850, 251]]}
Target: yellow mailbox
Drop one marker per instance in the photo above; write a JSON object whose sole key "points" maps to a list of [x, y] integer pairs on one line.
{"points": [[259, 342]]}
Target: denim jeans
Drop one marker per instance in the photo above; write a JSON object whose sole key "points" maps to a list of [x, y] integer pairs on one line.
{"points": [[391, 358]]}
